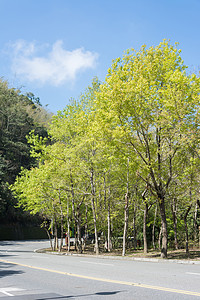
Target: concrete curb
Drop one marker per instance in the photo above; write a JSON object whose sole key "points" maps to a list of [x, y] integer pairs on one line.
{"points": [[142, 259]]}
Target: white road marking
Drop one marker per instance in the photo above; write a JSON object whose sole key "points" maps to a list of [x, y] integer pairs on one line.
{"points": [[190, 273], [90, 262], [9, 289]]}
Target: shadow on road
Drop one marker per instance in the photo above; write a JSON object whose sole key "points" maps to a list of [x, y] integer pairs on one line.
{"points": [[86, 295], [9, 273], [5, 272], [8, 243], [2, 255], [12, 251]]}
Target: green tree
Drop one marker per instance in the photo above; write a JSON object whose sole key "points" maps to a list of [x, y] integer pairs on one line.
{"points": [[150, 101], [15, 124]]}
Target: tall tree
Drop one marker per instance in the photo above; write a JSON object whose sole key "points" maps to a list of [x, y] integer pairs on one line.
{"points": [[150, 100]]}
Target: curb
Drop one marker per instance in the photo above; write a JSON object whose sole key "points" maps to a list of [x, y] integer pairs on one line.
{"points": [[142, 259]]}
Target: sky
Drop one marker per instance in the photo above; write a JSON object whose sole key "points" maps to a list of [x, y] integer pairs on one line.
{"points": [[54, 48]]}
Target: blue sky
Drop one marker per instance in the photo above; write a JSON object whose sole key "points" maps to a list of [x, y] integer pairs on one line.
{"points": [[54, 48]]}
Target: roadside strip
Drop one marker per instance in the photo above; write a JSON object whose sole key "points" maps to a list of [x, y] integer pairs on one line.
{"points": [[146, 286]]}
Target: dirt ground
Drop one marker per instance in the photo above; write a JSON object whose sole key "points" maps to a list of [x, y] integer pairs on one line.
{"points": [[194, 254]]}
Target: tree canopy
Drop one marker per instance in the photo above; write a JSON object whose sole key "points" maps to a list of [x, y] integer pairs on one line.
{"points": [[16, 121], [126, 148]]}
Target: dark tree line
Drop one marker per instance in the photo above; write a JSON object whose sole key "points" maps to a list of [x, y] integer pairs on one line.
{"points": [[19, 114]]}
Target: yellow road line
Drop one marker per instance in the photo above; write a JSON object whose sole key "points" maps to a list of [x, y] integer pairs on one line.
{"points": [[146, 286]]}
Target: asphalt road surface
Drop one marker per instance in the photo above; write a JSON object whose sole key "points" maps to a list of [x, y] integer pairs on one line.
{"points": [[25, 274]]}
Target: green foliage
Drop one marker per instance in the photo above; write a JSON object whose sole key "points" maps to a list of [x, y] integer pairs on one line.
{"points": [[146, 113], [16, 122]]}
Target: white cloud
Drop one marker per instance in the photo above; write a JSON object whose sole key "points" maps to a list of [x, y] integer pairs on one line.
{"points": [[56, 67]]}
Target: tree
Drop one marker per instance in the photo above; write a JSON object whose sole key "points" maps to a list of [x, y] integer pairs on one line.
{"points": [[150, 101], [15, 123]]}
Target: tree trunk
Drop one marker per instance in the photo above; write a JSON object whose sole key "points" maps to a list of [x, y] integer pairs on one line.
{"points": [[61, 224], [109, 229], [76, 215], [146, 209], [68, 227], [126, 211], [86, 227], [153, 229], [55, 236], [199, 236], [198, 203], [96, 249], [134, 230], [159, 238], [196, 223], [52, 232], [73, 211], [55, 231], [48, 234], [62, 232], [79, 243], [109, 243], [174, 215], [145, 228], [186, 231], [164, 227]]}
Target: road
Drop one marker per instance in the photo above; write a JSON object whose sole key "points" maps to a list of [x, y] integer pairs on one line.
{"points": [[25, 274]]}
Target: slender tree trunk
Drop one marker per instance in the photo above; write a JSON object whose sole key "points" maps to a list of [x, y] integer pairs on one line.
{"points": [[134, 227], [55, 231], [62, 232], [153, 229], [146, 210], [126, 211], [199, 236], [109, 229], [86, 227], [49, 236], [186, 231], [96, 249], [55, 235], [164, 227], [86, 220], [134, 232], [73, 211], [79, 231], [106, 206], [174, 215], [68, 227], [195, 223], [52, 232], [94, 211], [160, 193], [78, 244], [198, 203], [159, 238], [61, 224], [145, 228], [109, 243]]}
